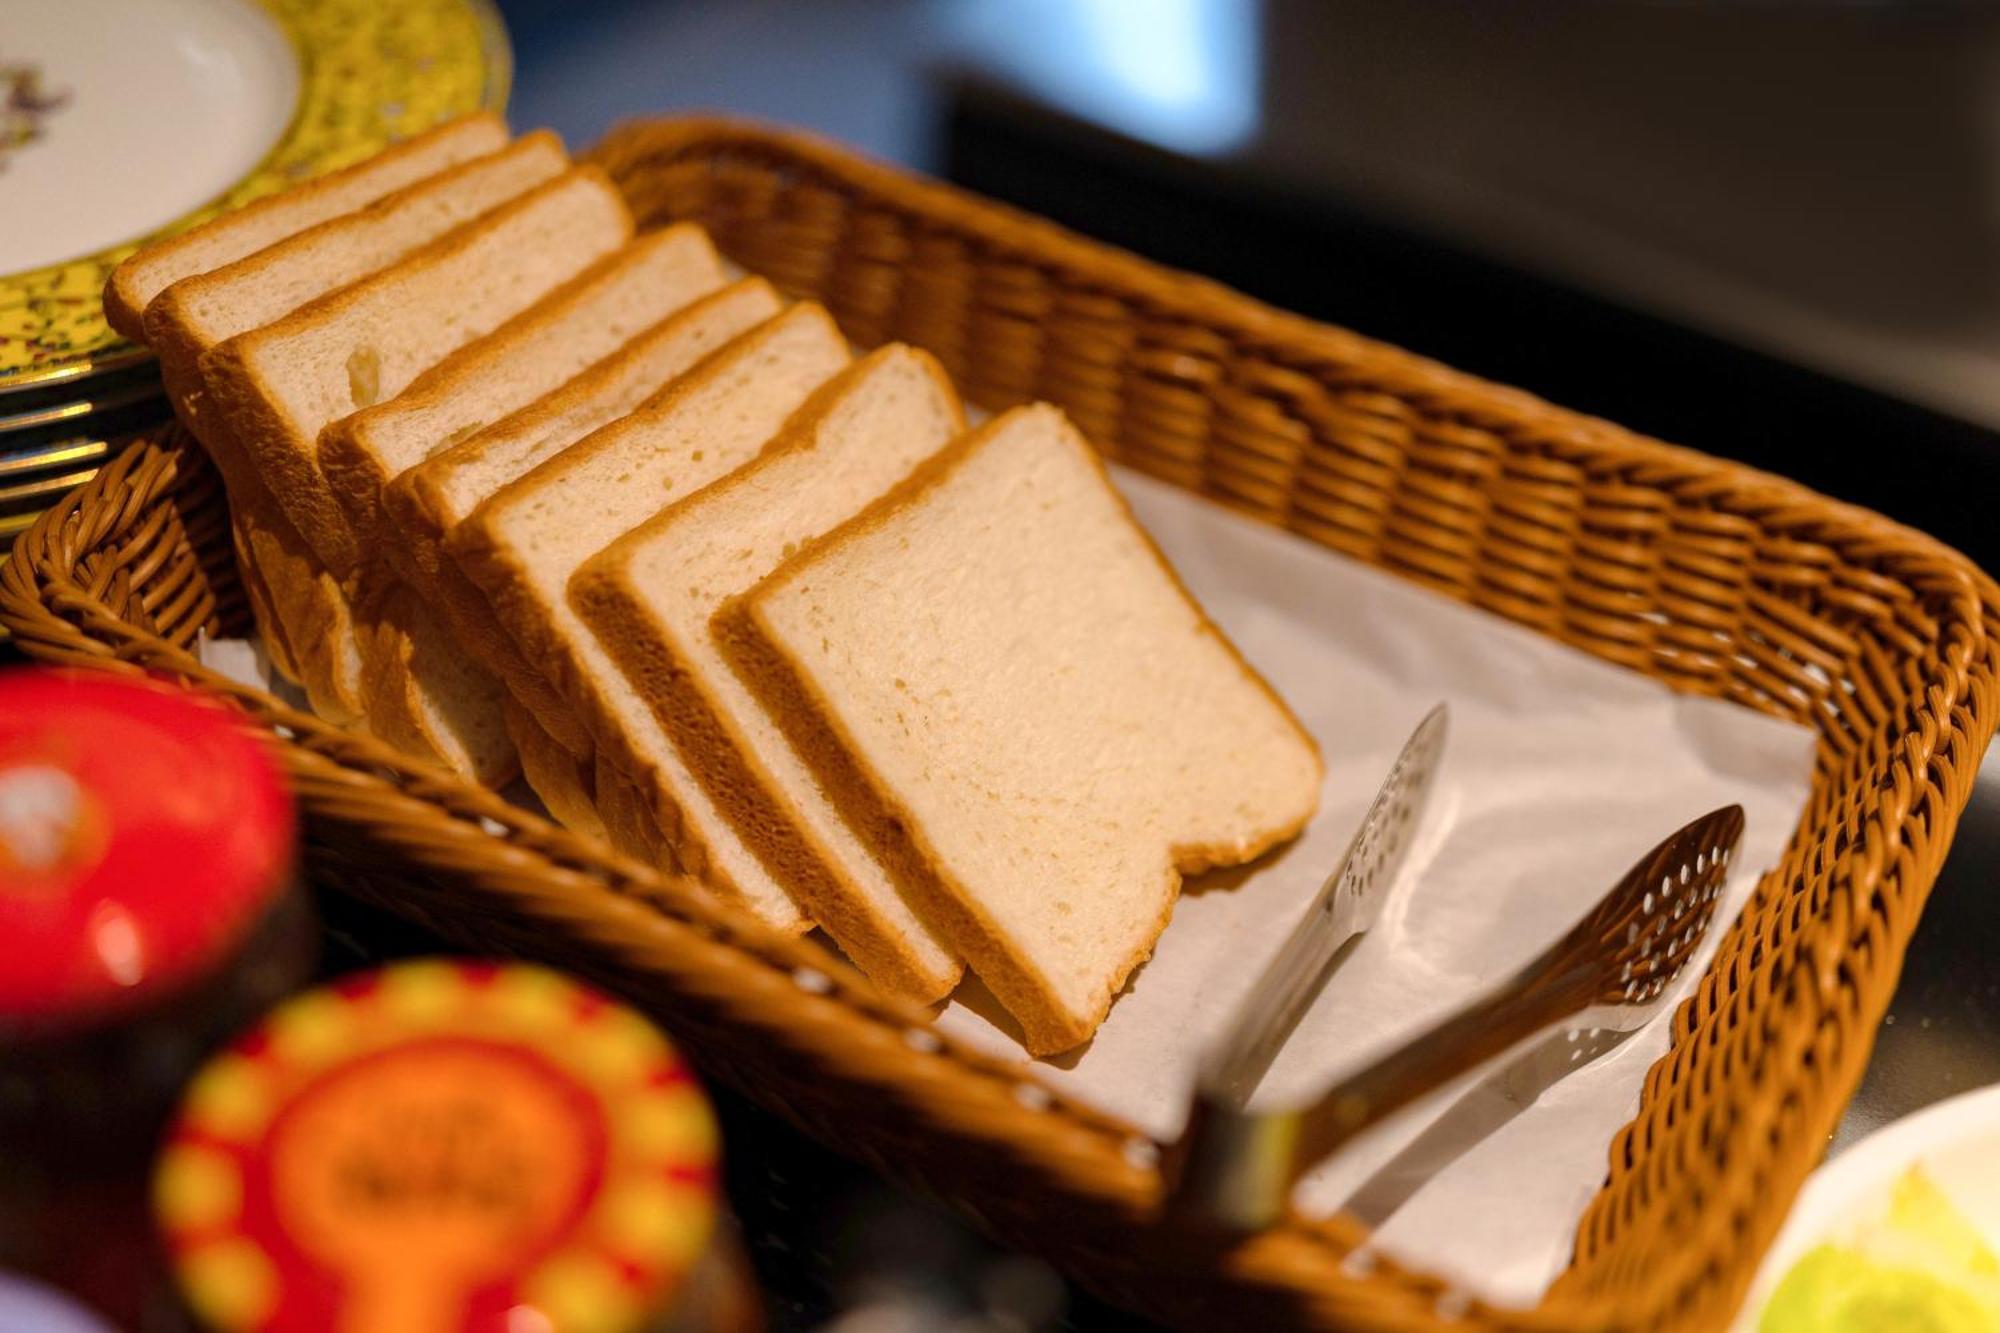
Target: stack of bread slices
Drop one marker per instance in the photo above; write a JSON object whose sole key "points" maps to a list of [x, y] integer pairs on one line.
{"points": [[522, 492]]}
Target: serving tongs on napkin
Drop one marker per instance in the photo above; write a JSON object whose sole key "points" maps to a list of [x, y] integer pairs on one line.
{"points": [[1235, 1169]]}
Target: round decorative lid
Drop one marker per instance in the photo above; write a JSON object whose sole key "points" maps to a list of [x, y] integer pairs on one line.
{"points": [[143, 831], [440, 1145]]}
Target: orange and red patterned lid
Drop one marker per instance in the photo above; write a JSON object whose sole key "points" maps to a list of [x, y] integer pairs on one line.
{"points": [[440, 1145]]}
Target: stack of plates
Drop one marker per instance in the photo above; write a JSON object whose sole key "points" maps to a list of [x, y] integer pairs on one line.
{"points": [[123, 120], [55, 432]]}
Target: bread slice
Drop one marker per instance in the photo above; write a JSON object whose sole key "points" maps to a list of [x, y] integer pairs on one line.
{"points": [[426, 697], [317, 623], [270, 626], [650, 597], [632, 826], [530, 355], [564, 782], [1013, 697], [278, 386], [434, 497], [522, 546], [225, 239], [198, 312], [274, 388]]}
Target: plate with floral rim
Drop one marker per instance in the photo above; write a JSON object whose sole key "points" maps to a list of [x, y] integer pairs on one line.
{"points": [[125, 120]]}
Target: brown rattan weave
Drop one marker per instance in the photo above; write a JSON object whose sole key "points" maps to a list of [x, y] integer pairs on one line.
{"points": [[1711, 577]]}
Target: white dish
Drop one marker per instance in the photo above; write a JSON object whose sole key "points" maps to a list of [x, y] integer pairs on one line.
{"points": [[158, 106], [1955, 1143]]}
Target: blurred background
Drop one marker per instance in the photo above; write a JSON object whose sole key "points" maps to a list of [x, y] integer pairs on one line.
{"points": [[1766, 230], [1769, 230]]}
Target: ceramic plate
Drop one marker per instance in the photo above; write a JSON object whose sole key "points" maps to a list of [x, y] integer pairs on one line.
{"points": [[1902, 1230], [123, 120]]}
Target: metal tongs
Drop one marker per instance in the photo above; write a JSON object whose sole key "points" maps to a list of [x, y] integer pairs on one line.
{"points": [[1235, 1169]]}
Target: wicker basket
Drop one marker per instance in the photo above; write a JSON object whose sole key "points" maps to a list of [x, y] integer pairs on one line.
{"points": [[1713, 578]]}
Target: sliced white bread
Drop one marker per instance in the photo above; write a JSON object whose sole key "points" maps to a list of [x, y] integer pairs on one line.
{"points": [[632, 826], [274, 389], [270, 626], [225, 239], [651, 595], [522, 546], [306, 605], [195, 314], [426, 697], [427, 502], [1012, 696], [278, 386], [411, 690], [533, 354], [564, 782], [192, 316]]}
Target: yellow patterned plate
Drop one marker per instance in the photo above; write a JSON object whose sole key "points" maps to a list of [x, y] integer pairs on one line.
{"points": [[124, 120]]}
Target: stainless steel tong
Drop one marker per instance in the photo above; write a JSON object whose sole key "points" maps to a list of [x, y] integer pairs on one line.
{"points": [[1235, 1169]]}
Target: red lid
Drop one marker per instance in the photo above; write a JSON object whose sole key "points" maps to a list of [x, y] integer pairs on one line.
{"points": [[142, 831], [440, 1146]]}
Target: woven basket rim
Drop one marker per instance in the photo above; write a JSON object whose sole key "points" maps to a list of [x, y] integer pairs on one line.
{"points": [[1279, 334]]}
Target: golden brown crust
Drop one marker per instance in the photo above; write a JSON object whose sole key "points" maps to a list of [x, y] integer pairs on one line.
{"points": [[173, 325], [478, 631], [629, 825], [489, 560], [864, 797], [389, 703], [427, 517], [233, 396], [318, 623], [287, 586], [439, 578], [355, 470], [632, 810], [125, 296], [289, 463], [269, 627], [604, 593], [886, 827], [715, 754], [491, 566], [419, 694], [303, 598], [564, 781]]}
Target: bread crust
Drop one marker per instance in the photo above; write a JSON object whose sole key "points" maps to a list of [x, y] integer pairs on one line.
{"points": [[318, 623], [564, 781], [871, 807], [490, 560], [267, 625], [619, 612], [136, 281], [425, 517], [355, 468], [436, 712], [323, 647], [289, 463], [411, 698], [179, 335], [314, 640]]}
